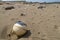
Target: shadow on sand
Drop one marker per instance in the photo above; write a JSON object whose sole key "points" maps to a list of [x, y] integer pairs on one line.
{"points": [[26, 35]]}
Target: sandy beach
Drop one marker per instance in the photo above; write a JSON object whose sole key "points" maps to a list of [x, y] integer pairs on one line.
{"points": [[43, 20]]}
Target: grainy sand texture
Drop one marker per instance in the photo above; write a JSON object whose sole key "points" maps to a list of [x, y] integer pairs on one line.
{"points": [[43, 20]]}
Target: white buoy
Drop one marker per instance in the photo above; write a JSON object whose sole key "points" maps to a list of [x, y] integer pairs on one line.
{"points": [[19, 28]]}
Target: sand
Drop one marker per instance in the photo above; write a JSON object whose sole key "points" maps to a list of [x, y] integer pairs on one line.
{"points": [[43, 20]]}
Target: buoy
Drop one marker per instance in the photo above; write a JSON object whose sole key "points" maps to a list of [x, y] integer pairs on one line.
{"points": [[19, 28]]}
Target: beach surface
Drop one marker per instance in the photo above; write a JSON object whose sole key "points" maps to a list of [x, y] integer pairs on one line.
{"points": [[43, 20]]}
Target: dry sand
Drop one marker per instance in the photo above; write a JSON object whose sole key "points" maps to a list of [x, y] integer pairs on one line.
{"points": [[43, 20]]}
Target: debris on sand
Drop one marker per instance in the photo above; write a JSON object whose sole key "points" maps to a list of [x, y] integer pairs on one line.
{"points": [[9, 8], [38, 32], [41, 7], [22, 14]]}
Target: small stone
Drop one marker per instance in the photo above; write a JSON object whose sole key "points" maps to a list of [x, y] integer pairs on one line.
{"points": [[38, 32], [55, 26], [22, 14]]}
